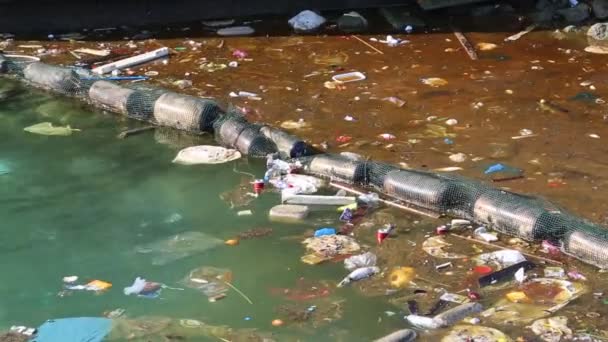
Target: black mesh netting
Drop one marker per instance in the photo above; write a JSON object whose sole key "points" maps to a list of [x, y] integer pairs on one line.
{"points": [[526, 217], [234, 131]]}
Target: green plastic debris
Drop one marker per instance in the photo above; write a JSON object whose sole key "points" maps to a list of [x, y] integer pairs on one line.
{"points": [[178, 247], [47, 128]]}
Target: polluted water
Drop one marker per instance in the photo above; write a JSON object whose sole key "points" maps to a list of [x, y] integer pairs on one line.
{"points": [[193, 232]]}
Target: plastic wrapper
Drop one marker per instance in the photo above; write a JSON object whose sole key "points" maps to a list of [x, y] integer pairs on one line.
{"points": [[362, 260], [177, 247], [211, 281]]}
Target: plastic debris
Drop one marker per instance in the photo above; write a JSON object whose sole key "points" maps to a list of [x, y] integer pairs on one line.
{"points": [[143, 288], [539, 297], [403, 335], [435, 245], [332, 245], [395, 100], [131, 61], [306, 21], [434, 81], [349, 77], [457, 314], [236, 31], [552, 329], [502, 258], [483, 234], [520, 275], [446, 318], [575, 275], [347, 214], [393, 42], [485, 46], [177, 247], [383, 233], [231, 242], [289, 198], [554, 272], [367, 259], [387, 136], [206, 154], [47, 128], [401, 277], [454, 298], [521, 34], [468, 333], [494, 168], [240, 54], [506, 274], [94, 285], [325, 231], [458, 157], [297, 184], [358, 274], [211, 281], [244, 213], [423, 322], [288, 212], [70, 279]]}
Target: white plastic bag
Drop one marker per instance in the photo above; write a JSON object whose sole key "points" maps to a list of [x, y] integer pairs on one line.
{"points": [[205, 154], [362, 260]]}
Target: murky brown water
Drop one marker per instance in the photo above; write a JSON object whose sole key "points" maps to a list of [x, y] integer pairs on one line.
{"points": [[492, 99]]}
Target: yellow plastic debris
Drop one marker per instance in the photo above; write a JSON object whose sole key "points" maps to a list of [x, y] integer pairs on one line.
{"points": [[517, 297], [100, 285], [401, 277], [352, 206]]}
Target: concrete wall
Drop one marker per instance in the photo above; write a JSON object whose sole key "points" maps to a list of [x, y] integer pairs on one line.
{"points": [[20, 16]]}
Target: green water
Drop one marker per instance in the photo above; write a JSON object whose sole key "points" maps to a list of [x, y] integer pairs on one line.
{"points": [[78, 205]]}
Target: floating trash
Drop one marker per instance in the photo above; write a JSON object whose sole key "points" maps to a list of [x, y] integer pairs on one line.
{"points": [[206, 154], [178, 247], [211, 281], [486, 46], [435, 245], [47, 128], [552, 329], [534, 299], [236, 31], [467, 333], [434, 81]]}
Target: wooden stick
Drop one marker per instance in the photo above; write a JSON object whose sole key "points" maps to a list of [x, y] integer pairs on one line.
{"points": [[501, 247], [465, 44], [368, 44], [520, 34], [134, 131], [389, 203], [239, 292]]}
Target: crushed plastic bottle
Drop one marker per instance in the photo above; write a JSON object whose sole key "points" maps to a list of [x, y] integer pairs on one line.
{"points": [[371, 199]]}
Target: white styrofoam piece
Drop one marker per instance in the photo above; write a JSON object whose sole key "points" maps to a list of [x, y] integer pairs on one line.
{"points": [[127, 62], [317, 200]]}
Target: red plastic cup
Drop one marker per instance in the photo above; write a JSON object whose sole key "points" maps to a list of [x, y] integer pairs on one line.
{"points": [[483, 269], [258, 186], [441, 230], [381, 234]]}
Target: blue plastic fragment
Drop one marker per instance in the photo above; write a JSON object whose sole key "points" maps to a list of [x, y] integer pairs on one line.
{"points": [[347, 215], [495, 168], [248, 318], [325, 231], [448, 141]]}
